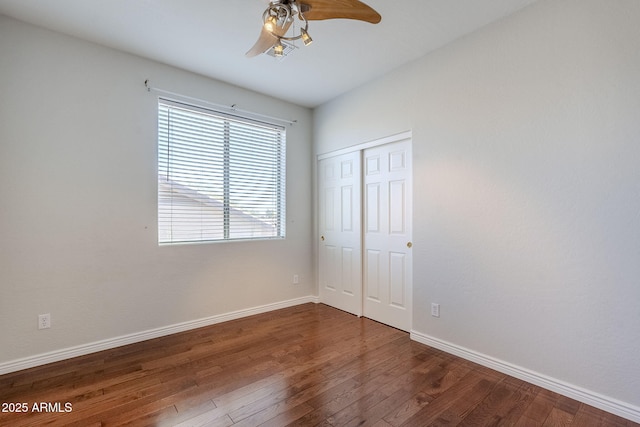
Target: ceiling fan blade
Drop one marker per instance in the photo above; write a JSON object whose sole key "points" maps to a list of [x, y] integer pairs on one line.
{"points": [[267, 40], [336, 9]]}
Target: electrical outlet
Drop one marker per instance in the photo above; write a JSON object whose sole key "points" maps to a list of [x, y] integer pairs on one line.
{"points": [[296, 279], [435, 310], [44, 321]]}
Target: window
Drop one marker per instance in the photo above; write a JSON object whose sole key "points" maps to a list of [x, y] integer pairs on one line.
{"points": [[220, 177]]}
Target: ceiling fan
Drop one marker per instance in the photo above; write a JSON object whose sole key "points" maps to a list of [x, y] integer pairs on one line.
{"points": [[281, 15]]}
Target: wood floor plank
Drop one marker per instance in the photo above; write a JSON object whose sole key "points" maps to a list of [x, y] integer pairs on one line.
{"points": [[403, 412], [308, 365], [558, 418], [451, 407], [409, 379], [540, 408], [519, 400], [288, 416], [485, 413]]}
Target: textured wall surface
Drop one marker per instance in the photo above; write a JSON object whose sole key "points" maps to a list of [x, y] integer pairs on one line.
{"points": [[78, 218], [526, 142]]}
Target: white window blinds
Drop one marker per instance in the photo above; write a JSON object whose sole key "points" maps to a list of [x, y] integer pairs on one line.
{"points": [[220, 177]]}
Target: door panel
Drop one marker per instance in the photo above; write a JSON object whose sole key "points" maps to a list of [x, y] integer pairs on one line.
{"points": [[373, 207], [396, 279], [347, 271], [397, 203], [373, 274], [340, 228], [387, 278]]}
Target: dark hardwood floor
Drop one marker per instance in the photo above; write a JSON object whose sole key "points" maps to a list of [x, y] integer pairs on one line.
{"points": [[309, 365]]}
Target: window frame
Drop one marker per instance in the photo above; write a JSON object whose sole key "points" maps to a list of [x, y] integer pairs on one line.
{"points": [[241, 141]]}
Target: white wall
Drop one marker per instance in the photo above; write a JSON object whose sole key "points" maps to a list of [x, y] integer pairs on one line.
{"points": [[527, 189], [78, 188]]}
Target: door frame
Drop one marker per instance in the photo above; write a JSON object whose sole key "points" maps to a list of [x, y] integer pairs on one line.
{"points": [[363, 146]]}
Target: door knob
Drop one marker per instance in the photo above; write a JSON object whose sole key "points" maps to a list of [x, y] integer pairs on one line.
{"points": [[409, 244], [322, 238]]}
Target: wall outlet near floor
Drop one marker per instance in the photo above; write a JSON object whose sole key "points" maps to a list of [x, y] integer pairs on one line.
{"points": [[44, 321], [435, 309], [296, 279]]}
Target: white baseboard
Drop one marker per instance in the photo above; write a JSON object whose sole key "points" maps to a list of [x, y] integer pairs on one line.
{"points": [[81, 350], [614, 406]]}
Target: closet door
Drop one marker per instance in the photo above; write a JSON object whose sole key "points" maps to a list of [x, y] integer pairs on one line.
{"points": [[387, 234], [340, 231]]}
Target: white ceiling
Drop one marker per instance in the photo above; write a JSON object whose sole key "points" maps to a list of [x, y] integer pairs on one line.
{"points": [[210, 37]]}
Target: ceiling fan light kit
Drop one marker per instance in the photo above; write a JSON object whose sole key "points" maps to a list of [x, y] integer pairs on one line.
{"points": [[285, 21]]}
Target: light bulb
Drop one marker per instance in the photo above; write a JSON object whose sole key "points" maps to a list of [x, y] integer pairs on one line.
{"points": [[270, 24], [306, 38], [278, 50]]}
